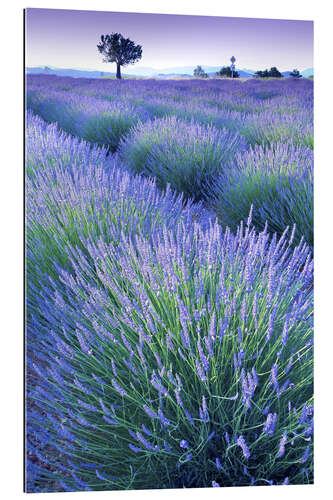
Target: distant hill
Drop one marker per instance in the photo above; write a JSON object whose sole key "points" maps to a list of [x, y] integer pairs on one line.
{"points": [[307, 72], [146, 72], [185, 72], [188, 71], [74, 73]]}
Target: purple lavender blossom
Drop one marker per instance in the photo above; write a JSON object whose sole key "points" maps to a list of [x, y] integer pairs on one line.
{"points": [[142, 440], [200, 372], [163, 419], [218, 464], [156, 383], [270, 424], [305, 455], [282, 444], [136, 449], [119, 389], [150, 412], [178, 398], [241, 442]]}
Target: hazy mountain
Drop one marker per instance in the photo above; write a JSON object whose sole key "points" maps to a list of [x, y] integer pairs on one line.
{"points": [[75, 73], [186, 70], [182, 71], [307, 72]]}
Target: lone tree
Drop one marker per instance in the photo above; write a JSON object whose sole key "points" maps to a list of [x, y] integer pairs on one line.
{"points": [[295, 74], [122, 51], [199, 72], [227, 72]]}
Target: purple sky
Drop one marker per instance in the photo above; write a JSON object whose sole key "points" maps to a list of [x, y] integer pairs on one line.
{"points": [[68, 39]]}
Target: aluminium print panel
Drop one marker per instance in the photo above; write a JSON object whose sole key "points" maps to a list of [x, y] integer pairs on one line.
{"points": [[169, 251]]}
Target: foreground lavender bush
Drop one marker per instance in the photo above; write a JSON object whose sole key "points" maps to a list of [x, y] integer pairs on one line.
{"points": [[186, 155], [277, 181], [174, 362]]}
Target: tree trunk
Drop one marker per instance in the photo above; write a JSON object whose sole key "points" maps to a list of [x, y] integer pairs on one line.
{"points": [[118, 71]]}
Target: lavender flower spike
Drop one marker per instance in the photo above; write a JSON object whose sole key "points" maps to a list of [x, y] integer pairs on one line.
{"points": [[282, 444], [241, 442]]}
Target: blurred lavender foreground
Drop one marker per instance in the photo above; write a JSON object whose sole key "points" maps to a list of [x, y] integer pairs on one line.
{"points": [[164, 349]]}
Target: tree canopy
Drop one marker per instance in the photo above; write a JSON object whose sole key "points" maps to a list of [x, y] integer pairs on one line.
{"points": [[295, 74], [227, 72], [272, 73], [117, 49], [199, 72]]}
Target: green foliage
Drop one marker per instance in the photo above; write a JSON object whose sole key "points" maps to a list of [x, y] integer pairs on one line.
{"points": [[122, 51], [278, 183], [295, 74], [226, 71], [199, 72], [188, 156], [272, 73]]}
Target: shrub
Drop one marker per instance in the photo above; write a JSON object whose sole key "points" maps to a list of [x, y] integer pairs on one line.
{"points": [[74, 191], [186, 155], [270, 128], [180, 361], [277, 181], [94, 120]]}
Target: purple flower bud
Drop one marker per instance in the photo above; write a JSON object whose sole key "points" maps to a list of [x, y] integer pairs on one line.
{"points": [[119, 389], [270, 424], [149, 412], [241, 442], [163, 419], [183, 444], [135, 448], [282, 444]]}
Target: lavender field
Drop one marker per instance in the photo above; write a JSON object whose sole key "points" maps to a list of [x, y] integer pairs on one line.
{"points": [[169, 283]]}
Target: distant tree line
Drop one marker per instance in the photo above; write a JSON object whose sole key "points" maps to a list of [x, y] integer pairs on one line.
{"points": [[295, 74], [272, 73], [275, 73], [199, 72], [227, 72]]}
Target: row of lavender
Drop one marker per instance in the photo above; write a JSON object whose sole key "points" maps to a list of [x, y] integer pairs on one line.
{"points": [[218, 141], [162, 351], [263, 112]]}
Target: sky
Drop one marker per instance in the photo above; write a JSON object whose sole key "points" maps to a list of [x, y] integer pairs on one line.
{"points": [[68, 39]]}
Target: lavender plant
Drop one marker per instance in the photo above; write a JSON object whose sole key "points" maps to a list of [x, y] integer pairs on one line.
{"points": [[277, 181], [74, 191], [91, 119], [188, 156], [160, 357]]}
